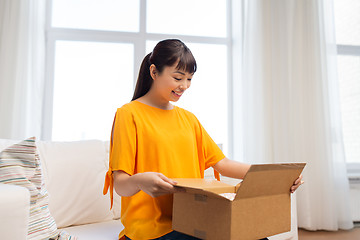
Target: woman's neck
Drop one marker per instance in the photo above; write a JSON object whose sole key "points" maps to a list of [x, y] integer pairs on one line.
{"points": [[153, 101]]}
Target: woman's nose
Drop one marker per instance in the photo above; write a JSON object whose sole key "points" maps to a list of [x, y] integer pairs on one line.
{"points": [[184, 85]]}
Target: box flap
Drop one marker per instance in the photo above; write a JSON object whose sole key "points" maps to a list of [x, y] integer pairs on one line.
{"points": [[269, 179], [204, 185]]}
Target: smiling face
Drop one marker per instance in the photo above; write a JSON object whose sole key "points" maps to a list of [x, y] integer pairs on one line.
{"points": [[171, 83]]}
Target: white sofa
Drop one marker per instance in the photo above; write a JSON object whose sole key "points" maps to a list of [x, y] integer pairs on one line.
{"points": [[74, 174]]}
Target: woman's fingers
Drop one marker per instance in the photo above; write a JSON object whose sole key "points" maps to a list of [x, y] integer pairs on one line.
{"points": [[156, 184], [167, 180], [296, 184], [170, 185], [298, 180]]}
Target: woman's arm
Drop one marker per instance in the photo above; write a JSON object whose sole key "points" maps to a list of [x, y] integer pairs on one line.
{"points": [[230, 168], [152, 183]]}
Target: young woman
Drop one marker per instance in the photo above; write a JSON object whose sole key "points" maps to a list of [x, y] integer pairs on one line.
{"points": [[154, 141]]}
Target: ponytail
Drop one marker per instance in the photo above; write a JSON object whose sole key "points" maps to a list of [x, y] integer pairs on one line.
{"points": [[144, 80]]}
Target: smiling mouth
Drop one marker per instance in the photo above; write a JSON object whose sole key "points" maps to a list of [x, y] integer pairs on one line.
{"points": [[178, 94]]}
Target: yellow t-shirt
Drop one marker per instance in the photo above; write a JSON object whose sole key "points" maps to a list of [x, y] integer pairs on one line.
{"points": [[149, 139]]}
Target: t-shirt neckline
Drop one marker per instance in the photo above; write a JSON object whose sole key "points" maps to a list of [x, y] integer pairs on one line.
{"points": [[165, 110]]}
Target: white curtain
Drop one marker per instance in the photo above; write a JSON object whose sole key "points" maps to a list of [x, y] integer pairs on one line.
{"points": [[288, 95], [22, 44]]}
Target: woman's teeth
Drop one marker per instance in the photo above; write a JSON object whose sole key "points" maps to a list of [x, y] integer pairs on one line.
{"points": [[179, 94]]}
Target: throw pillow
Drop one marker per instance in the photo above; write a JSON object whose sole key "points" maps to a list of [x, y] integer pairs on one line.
{"points": [[76, 168], [20, 165]]}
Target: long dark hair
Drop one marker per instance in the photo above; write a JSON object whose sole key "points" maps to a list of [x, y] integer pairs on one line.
{"points": [[165, 53]]}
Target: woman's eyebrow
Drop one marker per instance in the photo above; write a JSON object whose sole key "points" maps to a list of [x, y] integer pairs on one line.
{"points": [[182, 73], [179, 72]]}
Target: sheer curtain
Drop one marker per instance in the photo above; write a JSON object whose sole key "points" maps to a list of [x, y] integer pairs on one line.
{"points": [[22, 44], [289, 102]]}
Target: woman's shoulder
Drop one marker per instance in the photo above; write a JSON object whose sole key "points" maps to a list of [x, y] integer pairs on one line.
{"points": [[186, 113], [126, 108]]}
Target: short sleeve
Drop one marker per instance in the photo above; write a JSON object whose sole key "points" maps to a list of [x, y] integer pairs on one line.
{"points": [[209, 152], [123, 149]]}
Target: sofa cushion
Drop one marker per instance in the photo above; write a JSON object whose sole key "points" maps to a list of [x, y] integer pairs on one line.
{"points": [[74, 175], [20, 165], [104, 230]]}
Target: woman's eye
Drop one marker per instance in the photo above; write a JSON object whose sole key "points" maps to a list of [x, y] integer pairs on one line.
{"points": [[177, 79]]}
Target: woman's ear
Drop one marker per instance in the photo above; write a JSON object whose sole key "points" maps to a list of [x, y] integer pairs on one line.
{"points": [[153, 71]]}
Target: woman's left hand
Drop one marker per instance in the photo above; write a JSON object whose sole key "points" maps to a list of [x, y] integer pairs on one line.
{"points": [[296, 184]]}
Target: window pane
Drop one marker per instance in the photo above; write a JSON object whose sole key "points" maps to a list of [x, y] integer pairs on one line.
{"points": [[110, 15], [91, 81], [347, 21], [187, 17], [349, 82], [207, 97]]}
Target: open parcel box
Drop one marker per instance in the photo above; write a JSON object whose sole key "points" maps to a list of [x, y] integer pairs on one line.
{"points": [[261, 207]]}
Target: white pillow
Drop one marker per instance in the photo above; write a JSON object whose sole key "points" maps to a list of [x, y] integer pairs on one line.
{"points": [[74, 176]]}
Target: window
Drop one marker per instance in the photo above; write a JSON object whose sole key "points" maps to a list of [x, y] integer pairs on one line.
{"points": [[188, 18], [84, 99], [95, 48], [110, 15], [347, 21]]}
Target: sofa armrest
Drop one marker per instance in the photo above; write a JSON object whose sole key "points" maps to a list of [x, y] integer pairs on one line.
{"points": [[14, 212]]}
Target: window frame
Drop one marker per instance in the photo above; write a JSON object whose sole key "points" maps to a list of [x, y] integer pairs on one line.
{"points": [[353, 169], [138, 39]]}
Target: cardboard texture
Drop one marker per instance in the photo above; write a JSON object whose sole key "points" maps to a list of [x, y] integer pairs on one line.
{"points": [[261, 207]]}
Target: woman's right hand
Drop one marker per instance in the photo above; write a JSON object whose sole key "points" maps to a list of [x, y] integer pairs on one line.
{"points": [[153, 183]]}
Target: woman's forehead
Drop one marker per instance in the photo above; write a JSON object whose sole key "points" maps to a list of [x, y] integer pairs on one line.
{"points": [[182, 72]]}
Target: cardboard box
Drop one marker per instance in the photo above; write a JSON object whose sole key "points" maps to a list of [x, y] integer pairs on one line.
{"points": [[261, 208]]}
